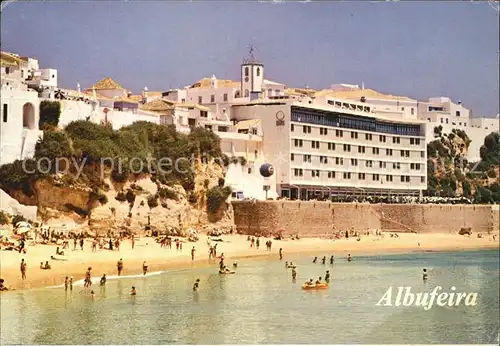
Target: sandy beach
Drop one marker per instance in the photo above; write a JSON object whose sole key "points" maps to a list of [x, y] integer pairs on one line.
{"points": [[233, 247]]}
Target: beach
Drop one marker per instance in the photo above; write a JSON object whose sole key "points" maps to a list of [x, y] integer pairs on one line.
{"points": [[234, 247]]}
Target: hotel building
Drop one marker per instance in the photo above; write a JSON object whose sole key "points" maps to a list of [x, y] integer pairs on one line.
{"points": [[339, 148]]}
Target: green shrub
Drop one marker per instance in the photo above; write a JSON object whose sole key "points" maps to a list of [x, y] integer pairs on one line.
{"points": [[152, 201], [216, 197], [121, 196], [18, 218], [165, 193], [50, 112], [4, 218], [130, 196], [491, 173], [54, 144]]}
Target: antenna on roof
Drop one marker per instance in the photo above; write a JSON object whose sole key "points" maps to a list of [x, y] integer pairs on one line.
{"points": [[251, 56]]}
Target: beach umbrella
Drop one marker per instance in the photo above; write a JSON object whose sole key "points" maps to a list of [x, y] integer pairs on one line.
{"points": [[22, 224], [21, 230]]}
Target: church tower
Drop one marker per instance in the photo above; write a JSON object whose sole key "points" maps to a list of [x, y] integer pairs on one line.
{"points": [[252, 77]]}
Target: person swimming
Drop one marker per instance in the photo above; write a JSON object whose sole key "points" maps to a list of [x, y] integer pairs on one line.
{"points": [[327, 276], [349, 258], [424, 275], [318, 281], [235, 264], [286, 264], [323, 260], [309, 283], [331, 260], [133, 292], [294, 273], [315, 259]]}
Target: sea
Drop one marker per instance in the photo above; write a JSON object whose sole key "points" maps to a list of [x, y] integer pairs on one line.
{"points": [[260, 304]]}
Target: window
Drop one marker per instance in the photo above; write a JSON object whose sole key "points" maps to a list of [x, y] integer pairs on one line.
{"points": [[246, 71], [339, 161], [339, 133], [315, 173], [405, 153], [237, 94], [447, 120], [417, 141], [376, 177], [361, 149], [354, 162], [292, 127], [368, 137], [306, 129], [369, 163], [5, 112], [183, 101], [315, 144], [246, 93], [402, 108], [412, 112], [258, 71], [200, 100], [354, 135], [7, 70], [347, 147], [323, 159], [331, 146], [457, 113], [323, 131], [307, 158], [382, 139], [422, 180], [405, 179], [298, 172], [292, 156], [412, 141], [422, 154], [222, 128], [361, 176], [389, 177], [224, 97], [212, 98], [375, 151], [347, 175], [388, 152], [331, 175], [395, 140], [204, 114], [441, 120], [276, 91], [415, 166], [396, 165], [382, 164], [298, 143]]}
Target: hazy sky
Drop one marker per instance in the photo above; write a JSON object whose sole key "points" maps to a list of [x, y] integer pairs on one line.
{"points": [[418, 49]]}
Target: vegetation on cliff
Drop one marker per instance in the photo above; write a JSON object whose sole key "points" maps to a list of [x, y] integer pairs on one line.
{"points": [[84, 153], [50, 112], [449, 174]]}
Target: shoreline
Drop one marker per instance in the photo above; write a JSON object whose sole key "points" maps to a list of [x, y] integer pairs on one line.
{"points": [[234, 247]]}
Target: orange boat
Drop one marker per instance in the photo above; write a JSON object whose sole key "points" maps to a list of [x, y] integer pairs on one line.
{"points": [[315, 287]]}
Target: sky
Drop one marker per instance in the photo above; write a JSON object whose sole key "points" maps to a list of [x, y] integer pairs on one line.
{"points": [[418, 49]]}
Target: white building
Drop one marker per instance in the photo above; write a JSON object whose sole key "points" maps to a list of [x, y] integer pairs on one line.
{"points": [[339, 148]]}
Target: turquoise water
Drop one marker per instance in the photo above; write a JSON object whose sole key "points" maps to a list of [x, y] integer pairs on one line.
{"points": [[261, 304]]}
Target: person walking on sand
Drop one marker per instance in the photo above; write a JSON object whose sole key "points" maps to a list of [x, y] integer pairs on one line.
{"points": [[257, 243], [66, 283], [215, 251], [133, 241], [117, 244], [88, 277], [75, 242], [119, 266], [281, 253], [94, 245], [23, 269], [196, 285], [193, 250], [177, 244], [180, 245], [81, 243], [144, 268]]}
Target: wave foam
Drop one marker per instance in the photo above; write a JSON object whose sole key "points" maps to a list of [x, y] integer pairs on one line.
{"points": [[96, 279]]}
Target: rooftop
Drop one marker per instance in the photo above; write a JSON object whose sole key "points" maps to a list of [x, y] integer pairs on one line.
{"points": [[158, 105], [247, 124], [10, 59], [356, 94], [107, 84], [221, 83]]}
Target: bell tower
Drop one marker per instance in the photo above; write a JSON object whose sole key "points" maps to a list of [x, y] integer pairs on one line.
{"points": [[252, 76]]}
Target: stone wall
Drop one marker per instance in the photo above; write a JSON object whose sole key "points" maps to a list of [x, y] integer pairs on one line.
{"points": [[323, 218]]}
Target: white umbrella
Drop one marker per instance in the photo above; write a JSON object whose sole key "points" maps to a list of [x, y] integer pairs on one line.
{"points": [[22, 224], [21, 230]]}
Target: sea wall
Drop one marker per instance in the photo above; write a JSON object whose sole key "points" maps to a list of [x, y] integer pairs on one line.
{"points": [[308, 218]]}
